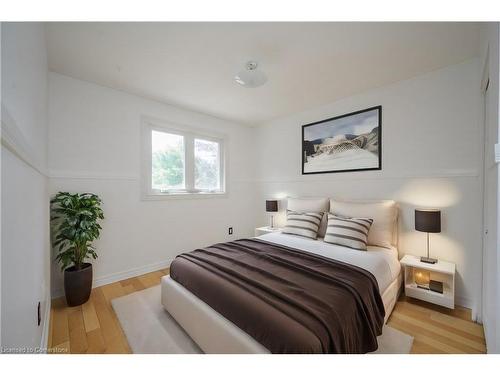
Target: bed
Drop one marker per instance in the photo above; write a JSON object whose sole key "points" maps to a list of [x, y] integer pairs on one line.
{"points": [[214, 333]]}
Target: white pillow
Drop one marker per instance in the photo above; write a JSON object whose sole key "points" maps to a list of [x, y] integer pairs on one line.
{"points": [[351, 232], [311, 205], [383, 213], [305, 224]]}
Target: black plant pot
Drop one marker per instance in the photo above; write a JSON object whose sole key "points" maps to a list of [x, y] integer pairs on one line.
{"points": [[78, 284]]}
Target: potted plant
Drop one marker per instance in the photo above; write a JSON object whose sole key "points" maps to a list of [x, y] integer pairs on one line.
{"points": [[75, 218]]}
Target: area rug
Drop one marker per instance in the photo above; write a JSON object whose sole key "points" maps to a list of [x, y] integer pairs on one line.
{"points": [[150, 329]]}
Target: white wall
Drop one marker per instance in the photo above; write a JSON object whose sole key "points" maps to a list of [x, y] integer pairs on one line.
{"points": [[94, 145], [490, 39], [25, 270], [430, 157]]}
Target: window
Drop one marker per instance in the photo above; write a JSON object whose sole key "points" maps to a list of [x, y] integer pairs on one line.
{"points": [[206, 165], [167, 161], [179, 161]]}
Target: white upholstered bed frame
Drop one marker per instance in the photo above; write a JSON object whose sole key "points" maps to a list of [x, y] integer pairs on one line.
{"points": [[213, 333]]}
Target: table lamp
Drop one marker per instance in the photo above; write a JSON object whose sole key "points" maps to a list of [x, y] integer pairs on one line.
{"points": [[428, 221], [272, 206]]}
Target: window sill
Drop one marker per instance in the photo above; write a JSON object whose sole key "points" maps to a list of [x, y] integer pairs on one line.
{"points": [[179, 195]]}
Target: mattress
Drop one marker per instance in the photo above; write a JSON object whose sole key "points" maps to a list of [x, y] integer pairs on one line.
{"points": [[215, 334]]}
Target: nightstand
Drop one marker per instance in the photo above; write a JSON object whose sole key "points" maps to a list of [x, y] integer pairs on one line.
{"points": [[441, 271], [264, 230]]}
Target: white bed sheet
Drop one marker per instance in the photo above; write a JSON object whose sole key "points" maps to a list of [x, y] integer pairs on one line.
{"points": [[381, 262]]}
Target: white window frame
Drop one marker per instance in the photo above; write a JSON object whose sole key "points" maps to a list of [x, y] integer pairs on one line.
{"points": [[190, 134]]}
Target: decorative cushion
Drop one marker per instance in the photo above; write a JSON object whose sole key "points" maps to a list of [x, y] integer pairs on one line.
{"points": [[383, 213], [305, 224], [311, 205], [350, 232]]}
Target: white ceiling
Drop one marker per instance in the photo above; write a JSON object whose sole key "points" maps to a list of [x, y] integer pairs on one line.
{"points": [[192, 65]]}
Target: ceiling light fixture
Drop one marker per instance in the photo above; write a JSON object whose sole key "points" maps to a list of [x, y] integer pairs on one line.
{"points": [[250, 77]]}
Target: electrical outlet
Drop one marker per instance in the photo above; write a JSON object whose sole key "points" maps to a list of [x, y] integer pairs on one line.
{"points": [[39, 314], [230, 231]]}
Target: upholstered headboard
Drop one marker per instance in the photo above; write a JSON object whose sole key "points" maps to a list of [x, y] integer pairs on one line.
{"points": [[385, 230], [311, 205]]}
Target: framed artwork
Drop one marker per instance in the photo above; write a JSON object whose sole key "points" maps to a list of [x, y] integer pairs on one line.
{"points": [[347, 143]]}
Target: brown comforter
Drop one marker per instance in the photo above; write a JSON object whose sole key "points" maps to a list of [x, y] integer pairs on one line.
{"points": [[289, 300]]}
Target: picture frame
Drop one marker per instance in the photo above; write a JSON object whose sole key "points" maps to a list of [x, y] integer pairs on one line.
{"points": [[348, 143]]}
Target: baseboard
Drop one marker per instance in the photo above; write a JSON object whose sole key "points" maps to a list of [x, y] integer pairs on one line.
{"points": [[467, 303], [122, 275], [463, 302], [44, 342]]}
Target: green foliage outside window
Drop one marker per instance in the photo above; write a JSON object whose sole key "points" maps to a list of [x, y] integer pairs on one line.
{"points": [[168, 169]]}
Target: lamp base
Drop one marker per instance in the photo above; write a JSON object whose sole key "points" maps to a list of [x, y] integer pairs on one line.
{"points": [[428, 260], [271, 222]]}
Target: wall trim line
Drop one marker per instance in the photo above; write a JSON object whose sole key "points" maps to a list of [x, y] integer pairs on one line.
{"points": [[85, 175], [457, 173], [452, 173], [88, 175]]}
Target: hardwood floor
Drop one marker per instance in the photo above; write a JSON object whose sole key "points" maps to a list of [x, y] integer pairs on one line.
{"points": [[437, 329], [94, 327]]}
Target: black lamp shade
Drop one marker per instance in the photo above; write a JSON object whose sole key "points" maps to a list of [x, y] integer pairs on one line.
{"points": [[271, 206], [428, 221]]}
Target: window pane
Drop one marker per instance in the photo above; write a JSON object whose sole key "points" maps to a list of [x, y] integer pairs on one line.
{"points": [[207, 165], [167, 161]]}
